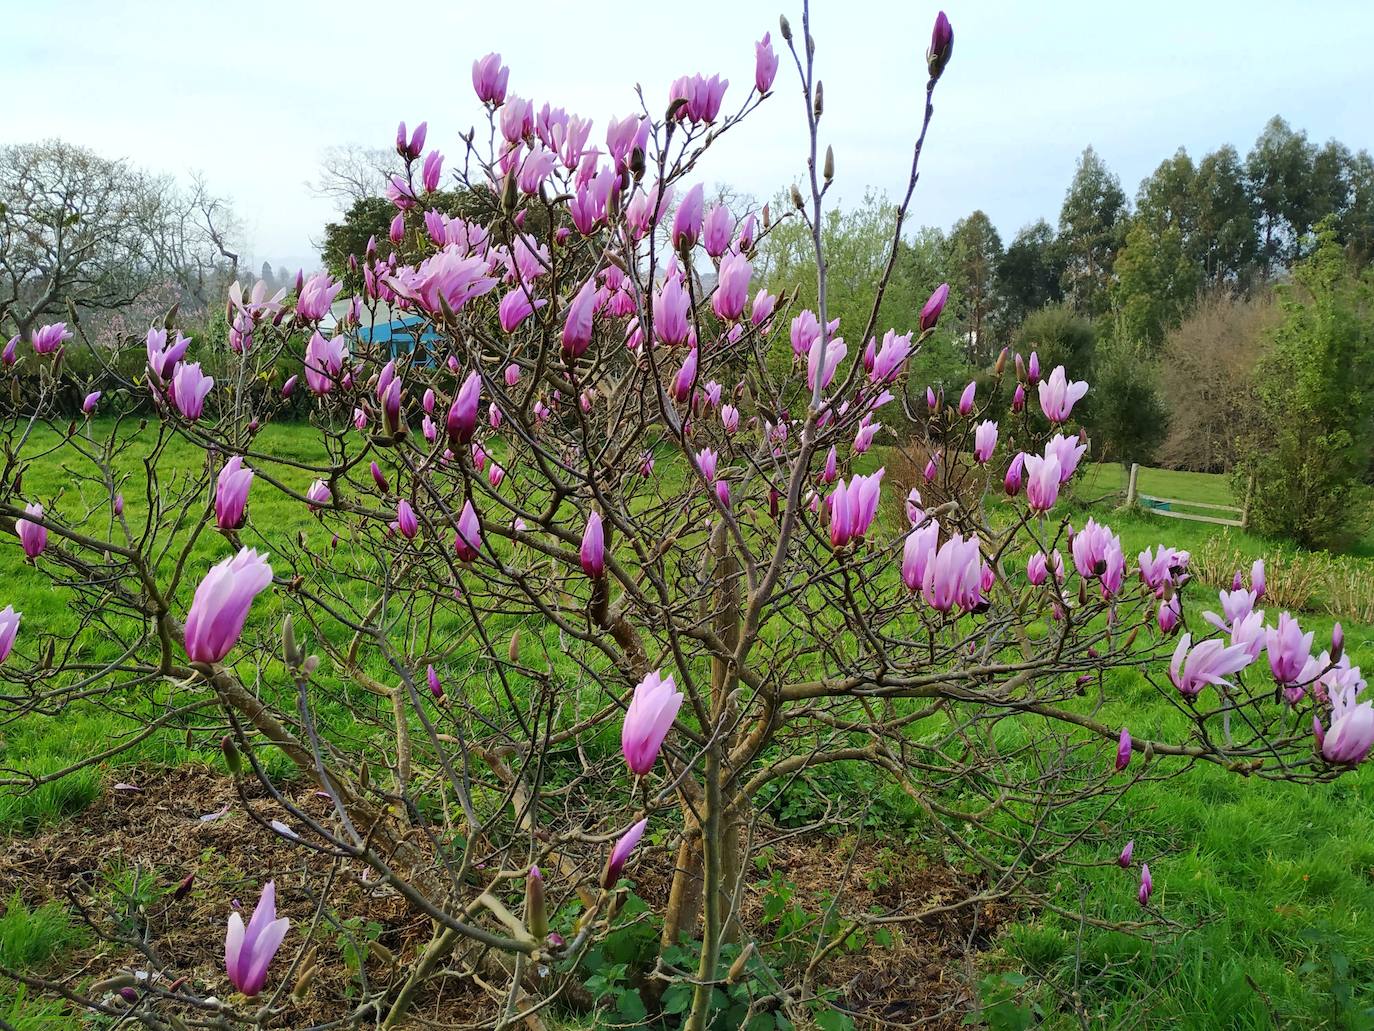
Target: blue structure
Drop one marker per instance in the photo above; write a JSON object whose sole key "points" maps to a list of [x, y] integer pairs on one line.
{"points": [[403, 335]]}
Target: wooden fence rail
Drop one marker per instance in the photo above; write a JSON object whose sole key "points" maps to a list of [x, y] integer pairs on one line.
{"points": [[1240, 514]]}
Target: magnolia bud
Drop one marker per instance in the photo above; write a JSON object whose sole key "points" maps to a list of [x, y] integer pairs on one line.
{"points": [[303, 981], [1001, 365], [288, 642], [536, 909], [741, 961], [941, 46], [785, 28], [797, 201], [829, 163], [184, 886], [232, 759], [514, 651], [819, 104]]}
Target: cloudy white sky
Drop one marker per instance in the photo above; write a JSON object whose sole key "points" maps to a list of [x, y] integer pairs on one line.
{"points": [[250, 93]]}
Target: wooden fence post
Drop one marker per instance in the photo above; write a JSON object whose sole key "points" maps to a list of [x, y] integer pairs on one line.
{"points": [[1130, 485]]}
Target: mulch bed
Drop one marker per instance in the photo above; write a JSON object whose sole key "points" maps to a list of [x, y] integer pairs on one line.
{"points": [[922, 978]]}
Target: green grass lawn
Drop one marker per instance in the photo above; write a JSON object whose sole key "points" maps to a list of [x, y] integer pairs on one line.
{"points": [[1274, 882]]}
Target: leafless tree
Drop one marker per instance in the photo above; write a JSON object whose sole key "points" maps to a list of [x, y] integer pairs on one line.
{"points": [[78, 227], [351, 172]]}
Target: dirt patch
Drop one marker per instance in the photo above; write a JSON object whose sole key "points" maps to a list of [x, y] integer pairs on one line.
{"points": [[141, 843]]}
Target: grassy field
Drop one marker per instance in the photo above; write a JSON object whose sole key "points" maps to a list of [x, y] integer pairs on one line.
{"points": [[1272, 884]]}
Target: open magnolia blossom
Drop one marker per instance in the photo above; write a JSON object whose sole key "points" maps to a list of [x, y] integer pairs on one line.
{"points": [[693, 516]]}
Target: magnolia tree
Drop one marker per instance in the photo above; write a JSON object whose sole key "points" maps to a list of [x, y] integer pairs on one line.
{"points": [[617, 491]]}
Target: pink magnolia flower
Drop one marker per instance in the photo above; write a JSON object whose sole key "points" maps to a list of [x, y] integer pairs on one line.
{"points": [[732, 287], [467, 541], [863, 440], [435, 687], [1097, 555], [1248, 632], [324, 359], [954, 576], [1162, 569], [685, 378], [831, 462], [702, 96], [917, 552], [10, 355], [716, 230], [410, 151], [1289, 649], [231, 493], [1124, 860], [1016, 469], [765, 64], [450, 278], [930, 311], [966, 398], [763, 306], [248, 953], [621, 853], [835, 350], [984, 440], [888, 359], [429, 174], [671, 307], [1236, 605], [92, 399], [49, 339], [318, 495], [9, 629], [1042, 482], [1192, 669], [1169, 615], [1351, 734], [189, 389], [163, 358], [406, 522], [593, 550], [729, 418], [1068, 450], [489, 77], [1018, 398], [462, 414], [706, 462], [687, 219], [221, 603], [577, 328], [1123, 750], [1147, 885], [648, 719], [1033, 369], [853, 507], [1257, 580], [1058, 395], [317, 296], [516, 307], [512, 375]]}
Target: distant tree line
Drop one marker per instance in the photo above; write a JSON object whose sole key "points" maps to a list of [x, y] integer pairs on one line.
{"points": [[1182, 307]]}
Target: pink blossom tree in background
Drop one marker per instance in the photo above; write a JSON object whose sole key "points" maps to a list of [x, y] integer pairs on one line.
{"points": [[622, 494]]}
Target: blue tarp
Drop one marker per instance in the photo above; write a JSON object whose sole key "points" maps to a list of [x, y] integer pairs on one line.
{"points": [[401, 334]]}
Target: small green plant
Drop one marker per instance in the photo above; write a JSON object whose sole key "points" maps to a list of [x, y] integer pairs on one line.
{"points": [[31, 938], [1000, 1007]]}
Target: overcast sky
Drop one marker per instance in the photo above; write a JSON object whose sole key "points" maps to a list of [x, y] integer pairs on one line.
{"points": [[250, 94]]}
